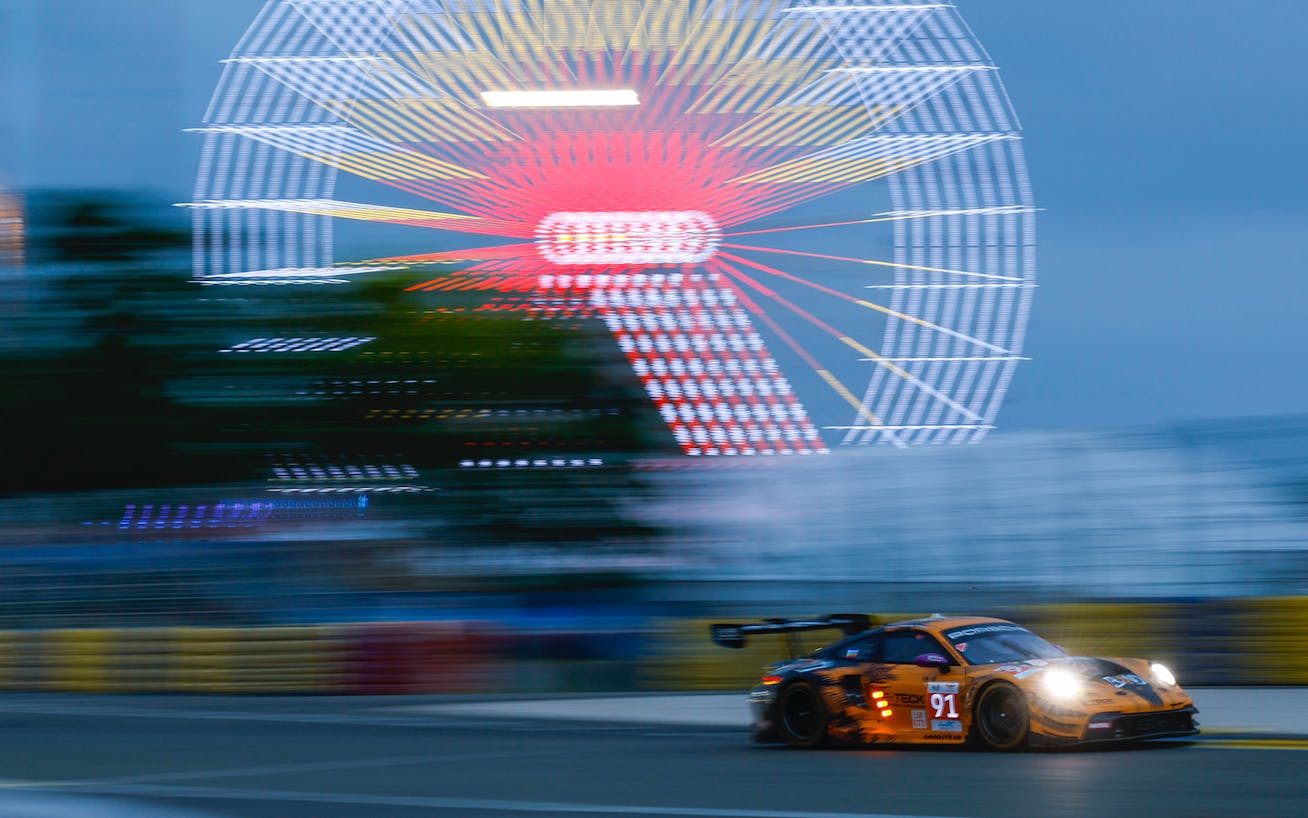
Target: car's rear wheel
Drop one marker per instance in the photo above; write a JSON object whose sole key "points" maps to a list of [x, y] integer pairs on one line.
{"points": [[1000, 719], [801, 715]]}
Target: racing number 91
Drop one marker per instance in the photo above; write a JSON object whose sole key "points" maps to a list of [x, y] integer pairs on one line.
{"points": [[945, 705]]}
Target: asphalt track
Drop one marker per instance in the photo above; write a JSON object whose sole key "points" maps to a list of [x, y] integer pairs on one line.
{"points": [[322, 757]]}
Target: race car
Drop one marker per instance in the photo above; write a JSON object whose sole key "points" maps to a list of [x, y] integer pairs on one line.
{"points": [[951, 680]]}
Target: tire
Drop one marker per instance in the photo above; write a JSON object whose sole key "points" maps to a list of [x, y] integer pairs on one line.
{"points": [[801, 716], [1000, 718]]}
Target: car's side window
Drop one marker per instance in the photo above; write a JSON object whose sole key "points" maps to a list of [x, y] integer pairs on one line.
{"points": [[903, 647], [867, 649]]}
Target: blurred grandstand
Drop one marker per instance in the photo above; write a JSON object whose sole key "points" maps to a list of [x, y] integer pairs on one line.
{"points": [[1201, 510]]}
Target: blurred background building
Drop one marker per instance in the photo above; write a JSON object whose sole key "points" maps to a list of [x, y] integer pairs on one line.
{"points": [[13, 233], [1183, 513], [1217, 509]]}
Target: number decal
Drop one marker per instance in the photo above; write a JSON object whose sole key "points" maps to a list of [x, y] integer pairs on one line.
{"points": [[945, 705]]}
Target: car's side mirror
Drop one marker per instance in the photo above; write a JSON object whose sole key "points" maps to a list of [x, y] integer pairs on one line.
{"points": [[934, 660]]}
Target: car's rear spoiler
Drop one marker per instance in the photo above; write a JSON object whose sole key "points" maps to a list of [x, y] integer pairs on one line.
{"points": [[734, 636]]}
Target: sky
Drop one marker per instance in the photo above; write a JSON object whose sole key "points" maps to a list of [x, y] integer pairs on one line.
{"points": [[1165, 142]]}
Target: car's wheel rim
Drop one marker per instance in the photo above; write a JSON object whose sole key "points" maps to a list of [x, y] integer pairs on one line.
{"points": [[801, 716], [1003, 718]]}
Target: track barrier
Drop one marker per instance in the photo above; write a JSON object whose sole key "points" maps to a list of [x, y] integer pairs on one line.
{"points": [[1250, 641]]}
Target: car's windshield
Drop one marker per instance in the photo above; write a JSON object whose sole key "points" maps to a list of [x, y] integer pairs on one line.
{"points": [[991, 643]]}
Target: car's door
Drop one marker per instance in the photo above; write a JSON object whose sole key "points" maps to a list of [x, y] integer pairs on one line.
{"points": [[917, 703]]}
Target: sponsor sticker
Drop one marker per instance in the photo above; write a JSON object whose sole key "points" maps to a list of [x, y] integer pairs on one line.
{"points": [[919, 720], [954, 636], [1100, 725], [947, 725], [961, 646], [942, 687], [1125, 679], [819, 665]]}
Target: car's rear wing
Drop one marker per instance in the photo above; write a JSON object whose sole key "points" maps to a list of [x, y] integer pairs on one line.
{"points": [[734, 636]]}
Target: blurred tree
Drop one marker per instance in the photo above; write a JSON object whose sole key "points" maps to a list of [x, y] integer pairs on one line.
{"points": [[105, 228], [83, 402], [138, 390]]}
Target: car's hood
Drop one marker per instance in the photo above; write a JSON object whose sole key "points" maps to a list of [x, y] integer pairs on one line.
{"points": [[1106, 680]]}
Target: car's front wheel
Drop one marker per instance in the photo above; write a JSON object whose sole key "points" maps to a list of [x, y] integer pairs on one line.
{"points": [[801, 715], [1000, 718]]}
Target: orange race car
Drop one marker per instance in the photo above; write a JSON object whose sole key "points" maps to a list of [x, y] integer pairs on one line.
{"points": [[950, 679]]}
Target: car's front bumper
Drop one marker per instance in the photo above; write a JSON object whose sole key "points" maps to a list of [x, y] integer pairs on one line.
{"points": [[1115, 726]]}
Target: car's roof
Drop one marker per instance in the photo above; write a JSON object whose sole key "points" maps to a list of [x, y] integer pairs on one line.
{"points": [[937, 623]]}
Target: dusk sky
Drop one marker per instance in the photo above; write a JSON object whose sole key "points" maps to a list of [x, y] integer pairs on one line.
{"points": [[1165, 142]]}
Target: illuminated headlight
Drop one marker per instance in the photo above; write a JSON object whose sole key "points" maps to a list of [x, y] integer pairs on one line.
{"points": [[1162, 674], [1059, 684]]}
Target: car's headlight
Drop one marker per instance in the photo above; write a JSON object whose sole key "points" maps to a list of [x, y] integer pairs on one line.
{"points": [[1162, 674], [1060, 684]]}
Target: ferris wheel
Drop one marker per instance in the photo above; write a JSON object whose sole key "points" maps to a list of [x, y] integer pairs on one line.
{"points": [[807, 223]]}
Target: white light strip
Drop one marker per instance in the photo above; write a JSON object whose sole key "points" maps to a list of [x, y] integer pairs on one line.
{"points": [[298, 60], [851, 9], [1007, 210], [299, 272], [910, 69], [910, 428], [949, 360], [298, 344], [946, 286], [246, 129], [269, 282], [560, 99], [539, 463], [356, 490]]}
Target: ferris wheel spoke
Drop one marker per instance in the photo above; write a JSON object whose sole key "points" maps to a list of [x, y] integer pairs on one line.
{"points": [[495, 275], [863, 349], [488, 253], [895, 216], [869, 304], [872, 262], [868, 158], [824, 373], [772, 188], [348, 149], [379, 96], [454, 222]]}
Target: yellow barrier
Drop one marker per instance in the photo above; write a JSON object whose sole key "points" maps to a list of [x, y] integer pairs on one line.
{"points": [[173, 659], [256, 660], [1249, 641], [79, 659], [1274, 639]]}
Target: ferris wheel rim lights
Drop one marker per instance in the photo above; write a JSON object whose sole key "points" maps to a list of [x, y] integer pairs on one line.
{"points": [[628, 238]]}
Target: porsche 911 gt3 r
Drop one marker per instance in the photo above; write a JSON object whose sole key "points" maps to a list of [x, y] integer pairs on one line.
{"points": [[951, 679]]}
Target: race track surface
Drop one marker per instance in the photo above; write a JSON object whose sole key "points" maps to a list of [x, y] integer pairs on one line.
{"points": [[298, 757]]}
